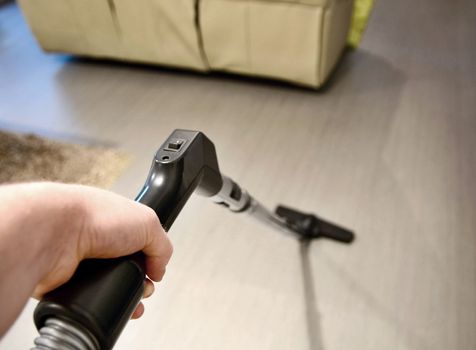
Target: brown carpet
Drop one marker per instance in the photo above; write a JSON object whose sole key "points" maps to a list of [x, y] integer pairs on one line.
{"points": [[26, 158]]}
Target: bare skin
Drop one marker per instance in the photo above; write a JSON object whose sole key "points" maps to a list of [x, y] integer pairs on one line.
{"points": [[46, 229]]}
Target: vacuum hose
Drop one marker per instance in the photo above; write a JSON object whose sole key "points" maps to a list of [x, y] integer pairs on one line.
{"points": [[90, 311], [59, 334]]}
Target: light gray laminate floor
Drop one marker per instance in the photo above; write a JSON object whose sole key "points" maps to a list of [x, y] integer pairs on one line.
{"points": [[388, 150]]}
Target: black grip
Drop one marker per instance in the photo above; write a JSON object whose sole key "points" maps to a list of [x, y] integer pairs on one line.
{"points": [[101, 297]]}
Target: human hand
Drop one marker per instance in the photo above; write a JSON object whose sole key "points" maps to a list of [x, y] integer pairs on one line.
{"points": [[101, 224]]}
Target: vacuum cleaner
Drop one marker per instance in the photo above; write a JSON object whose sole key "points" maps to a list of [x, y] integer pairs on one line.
{"points": [[90, 311]]}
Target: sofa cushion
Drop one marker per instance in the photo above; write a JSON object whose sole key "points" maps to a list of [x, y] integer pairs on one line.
{"points": [[160, 31], [152, 31], [287, 40], [295, 40]]}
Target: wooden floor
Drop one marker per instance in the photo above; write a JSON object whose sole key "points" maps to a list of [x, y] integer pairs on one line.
{"points": [[388, 149]]}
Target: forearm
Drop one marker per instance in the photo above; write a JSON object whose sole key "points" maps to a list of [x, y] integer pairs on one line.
{"points": [[30, 241]]}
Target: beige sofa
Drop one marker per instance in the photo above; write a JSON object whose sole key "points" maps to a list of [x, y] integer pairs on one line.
{"points": [[294, 40]]}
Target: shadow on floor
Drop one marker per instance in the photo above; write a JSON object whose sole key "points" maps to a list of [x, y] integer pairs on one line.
{"points": [[371, 71]]}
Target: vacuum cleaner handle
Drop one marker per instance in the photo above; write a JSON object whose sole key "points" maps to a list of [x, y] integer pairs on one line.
{"points": [[95, 305]]}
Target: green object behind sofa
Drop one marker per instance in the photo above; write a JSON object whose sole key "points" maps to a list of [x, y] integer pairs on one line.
{"points": [[360, 18]]}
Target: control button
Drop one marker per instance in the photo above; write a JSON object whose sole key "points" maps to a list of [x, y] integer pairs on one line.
{"points": [[175, 144]]}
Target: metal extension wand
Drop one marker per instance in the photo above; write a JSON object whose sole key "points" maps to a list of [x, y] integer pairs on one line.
{"points": [[90, 311]]}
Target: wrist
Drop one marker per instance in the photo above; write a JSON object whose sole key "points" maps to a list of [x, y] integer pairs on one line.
{"points": [[37, 216], [63, 217]]}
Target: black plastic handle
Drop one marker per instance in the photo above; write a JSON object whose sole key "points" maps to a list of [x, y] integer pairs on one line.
{"points": [[100, 297], [102, 294]]}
